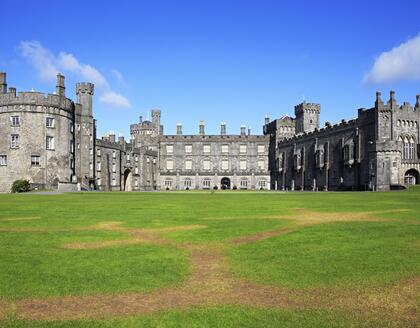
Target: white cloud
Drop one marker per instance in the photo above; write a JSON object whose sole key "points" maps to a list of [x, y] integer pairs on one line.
{"points": [[117, 74], [48, 65], [114, 99], [399, 63], [42, 59]]}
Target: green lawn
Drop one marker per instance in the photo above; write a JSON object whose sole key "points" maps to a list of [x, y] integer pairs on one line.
{"points": [[356, 255]]}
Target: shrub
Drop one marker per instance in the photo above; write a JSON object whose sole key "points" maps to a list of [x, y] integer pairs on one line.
{"points": [[21, 186], [235, 187], [215, 188]]}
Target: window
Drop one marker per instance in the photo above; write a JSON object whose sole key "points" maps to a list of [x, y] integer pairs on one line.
{"points": [[49, 122], [72, 146], [136, 183], [206, 164], [50, 143], [261, 149], [35, 160], [225, 149], [98, 151], [261, 164], [15, 120], [169, 149], [91, 166], [99, 181], [14, 141], [262, 184], [3, 160], [242, 164], [136, 158], [99, 166], [188, 149], [206, 183], [187, 183], [411, 150], [168, 183], [72, 163], [206, 149], [136, 170], [128, 157], [114, 182], [188, 164], [225, 164], [169, 164], [114, 168], [244, 183], [242, 149], [114, 154]]}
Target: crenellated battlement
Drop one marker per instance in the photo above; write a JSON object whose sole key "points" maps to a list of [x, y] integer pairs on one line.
{"points": [[35, 99], [85, 87]]}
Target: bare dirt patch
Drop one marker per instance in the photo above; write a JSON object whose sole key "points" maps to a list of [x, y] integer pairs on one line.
{"points": [[211, 282]]}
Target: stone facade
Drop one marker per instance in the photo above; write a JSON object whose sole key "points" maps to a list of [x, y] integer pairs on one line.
{"points": [[378, 150], [51, 141]]}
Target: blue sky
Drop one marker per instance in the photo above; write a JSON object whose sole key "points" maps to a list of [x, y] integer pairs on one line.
{"points": [[232, 61]]}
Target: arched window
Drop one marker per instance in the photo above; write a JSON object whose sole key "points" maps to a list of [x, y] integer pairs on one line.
{"points": [[411, 150], [406, 149], [187, 183]]}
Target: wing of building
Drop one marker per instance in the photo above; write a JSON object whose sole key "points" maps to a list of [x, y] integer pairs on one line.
{"points": [[51, 141]]}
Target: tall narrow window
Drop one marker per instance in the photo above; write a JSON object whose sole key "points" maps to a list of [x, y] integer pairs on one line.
{"points": [[14, 141], [411, 150], [50, 142], [3, 160]]}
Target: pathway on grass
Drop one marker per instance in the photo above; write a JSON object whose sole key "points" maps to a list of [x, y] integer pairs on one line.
{"points": [[211, 282]]}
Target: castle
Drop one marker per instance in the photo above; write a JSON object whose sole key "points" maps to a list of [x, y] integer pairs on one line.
{"points": [[51, 141]]}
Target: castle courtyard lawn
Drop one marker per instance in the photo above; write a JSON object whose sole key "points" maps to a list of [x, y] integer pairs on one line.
{"points": [[210, 259]]}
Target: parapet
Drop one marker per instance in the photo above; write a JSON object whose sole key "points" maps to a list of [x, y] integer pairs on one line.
{"points": [[85, 87], [307, 107]]}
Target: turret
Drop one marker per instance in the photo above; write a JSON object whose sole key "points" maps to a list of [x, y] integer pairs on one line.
{"points": [[417, 107], [60, 88], [266, 119], [392, 103], [84, 93], [3, 83], [307, 117], [378, 101], [156, 120], [243, 130]]}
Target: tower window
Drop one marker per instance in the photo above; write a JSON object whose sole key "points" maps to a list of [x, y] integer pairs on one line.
{"points": [[14, 141], [49, 122], [50, 143], [15, 120]]}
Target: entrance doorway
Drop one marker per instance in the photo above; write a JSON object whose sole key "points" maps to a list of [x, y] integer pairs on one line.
{"points": [[225, 183], [411, 177], [127, 180]]}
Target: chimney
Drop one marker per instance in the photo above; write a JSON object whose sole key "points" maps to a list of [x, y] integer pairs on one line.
{"points": [[112, 136], [201, 128], [60, 88], [121, 139], [179, 129], [249, 132], [3, 83], [223, 128], [243, 130], [417, 102], [267, 119], [141, 119], [12, 91]]}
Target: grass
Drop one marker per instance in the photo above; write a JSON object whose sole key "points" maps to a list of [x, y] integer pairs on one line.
{"points": [[34, 229]]}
